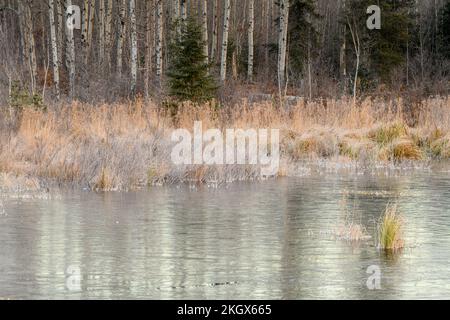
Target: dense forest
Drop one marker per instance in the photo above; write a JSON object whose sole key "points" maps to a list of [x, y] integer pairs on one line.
{"points": [[112, 49]]}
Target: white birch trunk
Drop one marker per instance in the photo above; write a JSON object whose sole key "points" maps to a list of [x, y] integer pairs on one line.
{"points": [[226, 25], [108, 32], [159, 39], [54, 45], [134, 49], [90, 30], [176, 9], [205, 29], [61, 29], [148, 46], [215, 31], [70, 53], [282, 43], [251, 27], [121, 36], [84, 28], [342, 57], [183, 9], [269, 18]]}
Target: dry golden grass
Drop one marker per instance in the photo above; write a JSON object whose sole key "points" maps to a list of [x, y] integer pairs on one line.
{"points": [[405, 150], [351, 232], [128, 145]]}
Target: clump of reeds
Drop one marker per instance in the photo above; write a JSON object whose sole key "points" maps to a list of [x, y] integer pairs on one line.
{"points": [[405, 150], [441, 148], [104, 181], [349, 230], [390, 229], [387, 133]]}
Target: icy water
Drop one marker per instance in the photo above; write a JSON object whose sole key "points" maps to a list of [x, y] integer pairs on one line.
{"points": [[269, 240]]}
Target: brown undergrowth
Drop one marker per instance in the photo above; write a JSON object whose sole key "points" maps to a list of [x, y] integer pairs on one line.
{"points": [[121, 146]]}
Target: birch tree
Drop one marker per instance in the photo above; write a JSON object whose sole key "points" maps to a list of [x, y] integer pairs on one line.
{"points": [[134, 48], [269, 17], [70, 52], [282, 42], [61, 30], [205, 29], [226, 25], [148, 50], [108, 31], [90, 30], [101, 31], [121, 36], [215, 30], [343, 49], [159, 38], [251, 27], [176, 15], [54, 45], [84, 29], [357, 46], [183, 9]]}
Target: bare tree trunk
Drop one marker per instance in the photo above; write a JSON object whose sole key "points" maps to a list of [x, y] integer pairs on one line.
{"points": [[269, 11], [251, 28], [282, 43], [215, 31], [101, 31], [342, 58], [236, 36], [84, 29], [29, 43], [309, 65], [54, 45], [407, 54], [357, 45], [205, 30], [61, 29], [176, 9], [70, 54], [176, 15], [421, 41], [108, 32], [226, 25], [148, 40], [45, 39], [121, 30], [159, 39], [90, 30], [134, 48], [183, 8]]}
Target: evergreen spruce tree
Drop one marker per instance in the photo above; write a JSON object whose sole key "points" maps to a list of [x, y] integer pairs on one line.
{"points": [[302, 34], [189, 78]]}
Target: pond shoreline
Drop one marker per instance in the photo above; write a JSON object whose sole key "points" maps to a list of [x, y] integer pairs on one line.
{"points": [[29, 186], [129, 146]]}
